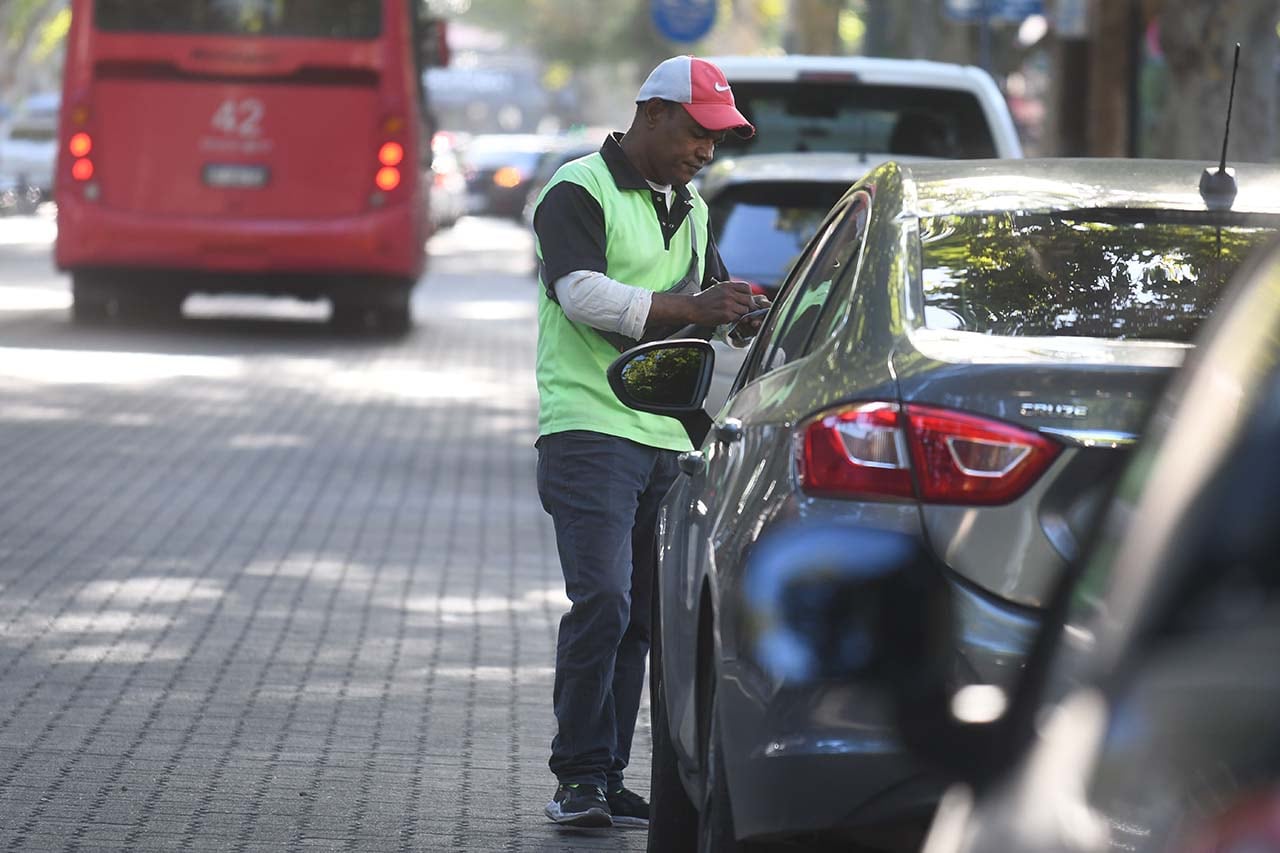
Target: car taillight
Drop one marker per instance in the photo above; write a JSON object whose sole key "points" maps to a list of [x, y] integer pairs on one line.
{"points": [[1251, 824], [855, 452], [508, 177], [871, 450]]}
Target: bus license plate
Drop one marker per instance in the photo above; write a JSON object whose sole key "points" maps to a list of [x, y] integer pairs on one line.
{"points": [[235, 175]]}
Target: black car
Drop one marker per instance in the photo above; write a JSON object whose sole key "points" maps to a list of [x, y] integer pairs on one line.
{"points": [[765, 208], [1146, 718], [499, 172], [963, 354]]}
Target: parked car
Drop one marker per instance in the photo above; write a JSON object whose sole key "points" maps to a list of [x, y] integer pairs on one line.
{"points": [[764, 209], [29, 148], [868, 105], [448, 180], [1146, 718], [964, 353], [500, 167], [563, 150]]}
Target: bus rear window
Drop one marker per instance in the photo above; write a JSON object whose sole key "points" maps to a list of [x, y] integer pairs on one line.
{"points": [[351, 19]]}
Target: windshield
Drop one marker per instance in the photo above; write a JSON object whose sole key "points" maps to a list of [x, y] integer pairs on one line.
{"points": [[1103, 274], [351, 19], [761, 228], [820, 115]]}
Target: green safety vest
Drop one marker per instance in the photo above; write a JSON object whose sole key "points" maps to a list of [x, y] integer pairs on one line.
{"points": [[573, 388]]}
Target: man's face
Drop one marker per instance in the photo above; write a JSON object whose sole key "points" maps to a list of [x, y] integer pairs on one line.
{"points": [[681, 146]]}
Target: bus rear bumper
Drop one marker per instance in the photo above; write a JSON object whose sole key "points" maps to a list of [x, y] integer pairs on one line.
{"points": [[385, 243]]}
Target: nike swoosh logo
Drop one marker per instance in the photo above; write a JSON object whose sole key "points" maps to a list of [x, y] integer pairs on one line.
{"points": [[720, 88]]}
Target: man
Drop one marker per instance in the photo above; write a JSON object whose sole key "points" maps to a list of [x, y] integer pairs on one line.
{"points": [[625, 255]]}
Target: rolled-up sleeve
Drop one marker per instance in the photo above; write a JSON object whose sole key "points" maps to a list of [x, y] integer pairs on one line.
{"points": [[569, 224]]}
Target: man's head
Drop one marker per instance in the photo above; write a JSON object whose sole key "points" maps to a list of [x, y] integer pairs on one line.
{"points": [[683, 110]]}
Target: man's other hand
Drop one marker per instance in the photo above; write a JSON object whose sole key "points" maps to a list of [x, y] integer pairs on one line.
{"points": [[749, 324]]}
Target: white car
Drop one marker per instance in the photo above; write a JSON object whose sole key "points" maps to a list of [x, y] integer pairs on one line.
{"points": [[868, 105], [29, 144], [822, 122]]}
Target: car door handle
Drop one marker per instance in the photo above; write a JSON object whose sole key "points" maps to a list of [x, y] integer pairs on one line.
{"points": [[729, 431], [692, 462]]}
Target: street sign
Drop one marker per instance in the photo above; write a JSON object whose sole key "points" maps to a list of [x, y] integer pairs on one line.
{"points": [[992, 10], [683, 20]]}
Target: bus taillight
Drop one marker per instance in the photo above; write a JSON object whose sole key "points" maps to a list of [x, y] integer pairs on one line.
{"points": [[390, 154], [80, 144], [82, 169], [388, 178]]}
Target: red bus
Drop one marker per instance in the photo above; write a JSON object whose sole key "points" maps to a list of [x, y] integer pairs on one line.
{"points": [[252, 146]]}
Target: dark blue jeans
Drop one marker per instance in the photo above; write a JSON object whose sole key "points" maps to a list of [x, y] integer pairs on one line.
{"points": [[602, 493]]}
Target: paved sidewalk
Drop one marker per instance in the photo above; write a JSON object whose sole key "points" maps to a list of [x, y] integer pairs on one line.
{"points": [[266, 588]]}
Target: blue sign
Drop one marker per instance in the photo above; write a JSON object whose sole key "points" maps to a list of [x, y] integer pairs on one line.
{"points": [[683, 20], [993, 10]]}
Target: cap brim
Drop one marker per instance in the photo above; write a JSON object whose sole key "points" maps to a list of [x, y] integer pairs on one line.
{"points": [[720, 117]]}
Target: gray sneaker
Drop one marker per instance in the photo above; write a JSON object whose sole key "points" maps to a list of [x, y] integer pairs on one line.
{"points": [[579, 805]]}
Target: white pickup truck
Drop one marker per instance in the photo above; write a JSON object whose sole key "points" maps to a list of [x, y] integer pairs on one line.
{"points": [[868, 106]]}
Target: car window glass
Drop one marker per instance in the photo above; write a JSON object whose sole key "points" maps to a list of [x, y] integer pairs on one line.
{"points": [[774, 324], [1121, 275], [830, 115], [800, 314], [761, 227], [833, 315]]}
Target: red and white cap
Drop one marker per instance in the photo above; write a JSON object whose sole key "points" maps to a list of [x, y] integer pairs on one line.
{"points": [[701, 88]]}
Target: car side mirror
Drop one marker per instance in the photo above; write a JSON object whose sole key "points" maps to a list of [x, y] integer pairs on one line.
{"points": [[668, 377], [835, 602]]}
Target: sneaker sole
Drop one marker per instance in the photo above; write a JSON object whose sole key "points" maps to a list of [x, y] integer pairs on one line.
{"points": [[631, 822], [590, 819]]}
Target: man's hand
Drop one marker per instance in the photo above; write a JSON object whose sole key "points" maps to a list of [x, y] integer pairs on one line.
{"points": [[723, 302], [749, 324]]}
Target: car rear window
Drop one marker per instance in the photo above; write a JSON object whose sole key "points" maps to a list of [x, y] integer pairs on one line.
{"points": [[761, 228], [851, 117], [1121, 275], [351, 19]]}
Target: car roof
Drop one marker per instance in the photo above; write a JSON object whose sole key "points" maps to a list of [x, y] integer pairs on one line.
{"points": [[812, 167], [936, 187], [510, 142], [867, 69]]}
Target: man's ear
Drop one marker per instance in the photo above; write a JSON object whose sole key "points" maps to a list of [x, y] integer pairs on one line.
{"points": [[655, 110]]}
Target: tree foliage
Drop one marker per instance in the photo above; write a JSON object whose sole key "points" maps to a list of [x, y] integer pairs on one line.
{"points": [[30, 33]]}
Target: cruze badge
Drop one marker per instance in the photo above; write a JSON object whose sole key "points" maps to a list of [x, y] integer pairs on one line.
{"points": [[1052, 410]]}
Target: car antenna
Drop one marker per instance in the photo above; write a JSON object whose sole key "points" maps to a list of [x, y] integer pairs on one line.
{"points": [[1218, 187]]}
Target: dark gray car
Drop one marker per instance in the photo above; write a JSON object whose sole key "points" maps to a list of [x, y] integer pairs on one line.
{"points": [[963, 353], [1146, 717]]}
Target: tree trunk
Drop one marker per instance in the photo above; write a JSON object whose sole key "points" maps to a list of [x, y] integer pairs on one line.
{"points": [[1198, 40], [815, 27], [1112, 66]]}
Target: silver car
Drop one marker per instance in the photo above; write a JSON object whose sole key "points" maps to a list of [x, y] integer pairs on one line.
{"points": [[964, 353]]}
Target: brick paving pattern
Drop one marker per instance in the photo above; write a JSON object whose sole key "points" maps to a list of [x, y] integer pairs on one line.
{"points": [[266, 588]]}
